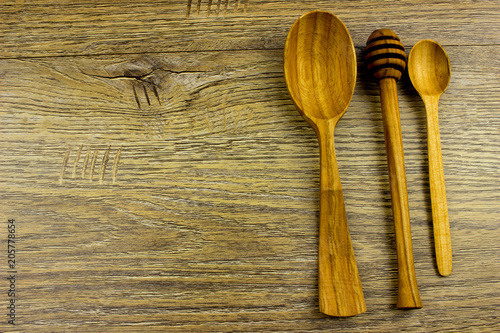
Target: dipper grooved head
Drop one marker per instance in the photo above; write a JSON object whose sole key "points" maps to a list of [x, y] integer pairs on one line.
{"points": [[385, 55]]}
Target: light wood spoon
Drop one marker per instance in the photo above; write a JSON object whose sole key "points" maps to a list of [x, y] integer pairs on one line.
{"points": [[320, 72], [429, 69]]}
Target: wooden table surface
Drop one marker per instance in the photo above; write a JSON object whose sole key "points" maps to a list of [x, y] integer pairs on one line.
{"points": [[161, 179]]}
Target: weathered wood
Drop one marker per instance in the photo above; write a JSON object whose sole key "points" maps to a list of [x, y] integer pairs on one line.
{"points": [[63, 28], [203, 218]]}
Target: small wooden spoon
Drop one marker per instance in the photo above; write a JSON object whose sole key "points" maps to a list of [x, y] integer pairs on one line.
{"points": [[320, 72], [429, 69]]}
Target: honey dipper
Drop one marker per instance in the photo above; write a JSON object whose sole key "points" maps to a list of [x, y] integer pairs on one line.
{"points": [[385, 58]]}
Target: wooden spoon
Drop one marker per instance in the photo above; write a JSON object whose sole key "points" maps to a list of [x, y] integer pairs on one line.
{"points": [[320, 72], [429, 69]]}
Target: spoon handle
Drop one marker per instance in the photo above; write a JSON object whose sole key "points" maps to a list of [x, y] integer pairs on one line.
{"points": [[340, 291], [408, 295], [440, 220]]}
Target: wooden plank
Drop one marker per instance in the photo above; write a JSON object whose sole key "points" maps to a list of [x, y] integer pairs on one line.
{"points": [[179, 192], [64, 28]]}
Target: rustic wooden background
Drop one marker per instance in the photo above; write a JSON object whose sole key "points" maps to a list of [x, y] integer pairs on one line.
{"points": [[162, 181]]}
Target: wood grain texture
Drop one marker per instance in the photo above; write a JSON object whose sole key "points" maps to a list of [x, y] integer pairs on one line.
{"points": [[385, 59], [69, 27], [320, 72], [429, 71], [206, 216], [408, 294]]}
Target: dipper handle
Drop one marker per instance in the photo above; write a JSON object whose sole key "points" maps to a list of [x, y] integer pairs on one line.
{"points": [[386, 59]]}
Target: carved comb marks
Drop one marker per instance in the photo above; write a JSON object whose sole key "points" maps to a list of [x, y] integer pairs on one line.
{"points": [[90, 163], [216, 7]]}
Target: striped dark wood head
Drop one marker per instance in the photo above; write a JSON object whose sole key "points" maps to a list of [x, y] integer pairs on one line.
{"points": [[385, 54]]}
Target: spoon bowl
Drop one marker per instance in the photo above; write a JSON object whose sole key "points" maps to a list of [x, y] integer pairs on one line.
{"points": [[320, 72], [430, 72], [320, 66], [429, 68]]}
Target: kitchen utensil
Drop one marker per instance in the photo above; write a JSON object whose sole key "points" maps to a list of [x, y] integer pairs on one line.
{"points": [[320, 72], [429, 69], [386, 59]]}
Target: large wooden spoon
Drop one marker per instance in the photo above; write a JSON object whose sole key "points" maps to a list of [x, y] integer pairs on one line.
{"points": [[320, 72], [429, 69]]}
